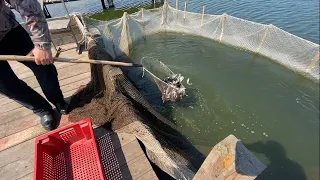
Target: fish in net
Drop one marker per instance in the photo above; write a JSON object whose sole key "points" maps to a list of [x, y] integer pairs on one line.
{"points": [[112, 99], [169, 83]]}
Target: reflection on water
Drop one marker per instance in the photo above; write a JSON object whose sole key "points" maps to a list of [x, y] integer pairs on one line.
{"points": [[235, 92]]}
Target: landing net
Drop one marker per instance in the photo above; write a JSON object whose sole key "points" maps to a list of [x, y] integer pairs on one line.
{"points": [[169, 83]]}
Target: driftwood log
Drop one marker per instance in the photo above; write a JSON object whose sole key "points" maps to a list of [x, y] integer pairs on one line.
{"points": [[230, 159]]}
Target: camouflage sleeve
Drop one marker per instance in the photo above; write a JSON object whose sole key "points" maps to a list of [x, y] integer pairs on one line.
{"points": [[32, 14]]}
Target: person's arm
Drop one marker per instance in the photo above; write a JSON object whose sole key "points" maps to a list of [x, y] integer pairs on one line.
{"points": [[32, 14]]}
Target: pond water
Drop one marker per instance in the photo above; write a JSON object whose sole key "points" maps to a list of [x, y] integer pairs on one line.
{"points": [[299, 17], [274, 111]]}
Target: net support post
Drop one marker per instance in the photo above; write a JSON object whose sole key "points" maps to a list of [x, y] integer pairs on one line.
{"points": [[185, 10], [223, 20], [142, 16], [266, 33], [203, 13], [68, 14], [164, 13], [125, 40], [177, 6]]}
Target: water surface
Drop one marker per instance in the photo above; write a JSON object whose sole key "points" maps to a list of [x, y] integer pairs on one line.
{"points": [[299, 17], [274, 111]]}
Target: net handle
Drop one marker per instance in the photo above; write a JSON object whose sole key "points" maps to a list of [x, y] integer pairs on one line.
{"points": [[69, 60]]}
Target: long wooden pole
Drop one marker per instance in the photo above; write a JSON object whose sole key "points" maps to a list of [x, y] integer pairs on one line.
{"points": [[69, 60]]}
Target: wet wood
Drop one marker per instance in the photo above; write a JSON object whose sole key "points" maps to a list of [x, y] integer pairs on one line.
{"points": [[230, 159]]}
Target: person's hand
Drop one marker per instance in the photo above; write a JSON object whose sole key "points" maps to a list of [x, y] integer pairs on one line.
{"points": [[42, 57]]}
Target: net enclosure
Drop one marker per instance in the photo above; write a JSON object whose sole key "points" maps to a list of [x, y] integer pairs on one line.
{"points": [[126, 100], [289, 50]]}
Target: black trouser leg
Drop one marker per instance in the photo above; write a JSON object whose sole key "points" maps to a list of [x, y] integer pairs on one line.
{"points": [[18, 42], [14, 88], [47, 77]]}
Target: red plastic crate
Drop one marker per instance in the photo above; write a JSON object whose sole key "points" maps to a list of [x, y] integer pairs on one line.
{"points": [[68, 153]]}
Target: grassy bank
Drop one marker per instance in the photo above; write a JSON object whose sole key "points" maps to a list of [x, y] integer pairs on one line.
{"points": [[109, 14]]}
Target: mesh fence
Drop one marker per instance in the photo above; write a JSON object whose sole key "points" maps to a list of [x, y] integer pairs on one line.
{"points": [[291, 51]]}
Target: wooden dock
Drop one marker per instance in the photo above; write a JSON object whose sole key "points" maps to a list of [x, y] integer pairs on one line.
{"points": [[19, 127]]}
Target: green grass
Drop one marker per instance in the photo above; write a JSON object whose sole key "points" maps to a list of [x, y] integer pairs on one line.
{"points": [[109, 14]]}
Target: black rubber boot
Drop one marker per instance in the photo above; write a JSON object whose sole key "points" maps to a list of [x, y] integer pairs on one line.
{"points": [[49, 120], [63, 108]]}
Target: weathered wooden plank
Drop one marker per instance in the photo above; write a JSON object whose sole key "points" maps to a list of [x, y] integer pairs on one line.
{"points": [[26, 134], [8, 114], [73, 70], [14, 114], [62, 82], [9, 107], [19, 68], [137, 167], [63, 73], [17, 153], [18, 125], [56, 24], [28, 73], [66, 39], [79, 75], [65, 33], [229, 159], [18, 168], [22, 123], [150, 175], [124, 139], [128, 153], [74, 27], [27, 177]]}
